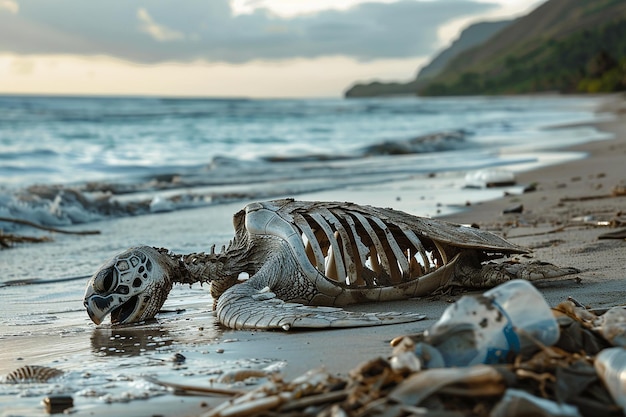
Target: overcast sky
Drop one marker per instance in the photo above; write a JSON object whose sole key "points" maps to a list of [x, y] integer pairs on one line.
{"points": [[256, 48]]}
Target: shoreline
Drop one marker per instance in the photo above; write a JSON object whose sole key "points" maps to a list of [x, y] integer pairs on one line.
{"points": [[593, 175], [547, 225]]}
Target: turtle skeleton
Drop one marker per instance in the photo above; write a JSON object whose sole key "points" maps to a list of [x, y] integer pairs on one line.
{"points": [[307, 259]]}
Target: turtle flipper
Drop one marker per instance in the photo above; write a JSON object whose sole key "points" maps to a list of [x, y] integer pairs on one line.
{"points": [[532, 271], [471, 274], [244, 307]]}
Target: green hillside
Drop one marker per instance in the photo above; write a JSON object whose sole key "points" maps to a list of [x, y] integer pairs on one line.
{"points": [[473, 35], [470, 37], [562, 46]]}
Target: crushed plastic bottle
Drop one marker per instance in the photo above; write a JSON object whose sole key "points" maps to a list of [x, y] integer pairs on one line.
{"points": [[610, 365], [612, 326], [519, 403], [491, 328]]}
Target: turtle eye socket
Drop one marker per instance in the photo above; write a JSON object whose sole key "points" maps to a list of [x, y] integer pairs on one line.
{"points": [[106, 281]]}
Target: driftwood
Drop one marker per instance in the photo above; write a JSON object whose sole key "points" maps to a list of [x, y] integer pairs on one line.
{"points": [[7, 240], [184, 389], [49, 229]]}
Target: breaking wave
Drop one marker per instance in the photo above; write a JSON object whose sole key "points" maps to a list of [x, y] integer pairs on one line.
{"points": [[435, 142], [66, 161]]}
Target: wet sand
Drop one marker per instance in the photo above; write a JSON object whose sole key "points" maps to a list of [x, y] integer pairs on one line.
{"points": [[562, 232]]}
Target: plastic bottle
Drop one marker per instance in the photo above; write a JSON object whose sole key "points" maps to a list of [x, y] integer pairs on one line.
{"points": [[495, 326], [610, 365]]}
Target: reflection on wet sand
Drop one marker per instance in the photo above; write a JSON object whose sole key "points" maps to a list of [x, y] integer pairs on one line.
{"points": [[154, 336], [128, 341]]}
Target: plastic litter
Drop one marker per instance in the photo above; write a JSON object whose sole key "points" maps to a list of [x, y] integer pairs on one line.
{"points": [[518, 403], [475, 380], [488, 178], [612, 326], [610, 365], [490, 328]]}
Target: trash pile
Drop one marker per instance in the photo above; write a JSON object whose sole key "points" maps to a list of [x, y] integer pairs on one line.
{"points": [[502, 353]]}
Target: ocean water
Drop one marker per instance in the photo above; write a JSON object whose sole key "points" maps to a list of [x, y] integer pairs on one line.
{"points": [[171, 172], [78, 160]]}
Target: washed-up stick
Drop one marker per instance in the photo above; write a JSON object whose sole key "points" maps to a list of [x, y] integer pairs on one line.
{"points": [[31, 281], [585, 198], [316, 399], [562, 228], [190, 389], [48, 229], [618, 234], [8, 239]]}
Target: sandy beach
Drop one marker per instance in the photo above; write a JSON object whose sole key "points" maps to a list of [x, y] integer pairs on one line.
{"points": [[574, 203], [561, 221]]}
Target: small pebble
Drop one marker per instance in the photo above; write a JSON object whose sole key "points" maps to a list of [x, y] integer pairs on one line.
{"points": [[513, 209], [179, 358], [58, 403]]}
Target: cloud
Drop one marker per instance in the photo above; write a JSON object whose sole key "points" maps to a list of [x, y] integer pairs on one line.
{"points": [[174, 31], [22, 66], [10, 6], [156, 31]]}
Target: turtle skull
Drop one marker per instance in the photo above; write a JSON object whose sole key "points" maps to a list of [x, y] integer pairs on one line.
{"points": [[131, 287]]}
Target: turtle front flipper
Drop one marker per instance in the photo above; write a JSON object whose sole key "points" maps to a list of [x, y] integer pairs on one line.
{"points": [[245, 307]]}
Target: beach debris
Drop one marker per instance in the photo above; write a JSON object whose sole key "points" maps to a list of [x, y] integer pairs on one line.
{"points": [[403, 357], [516, 209], [479, 380], [305, 260], [7, 240], [611, 367], [315, 387], [612, 326], [518, 403], [489, 178], [590, 220], [491, 328], [178, 358], [532, 187], [618, 234], [571, 371], [32, 374], [58, 403], [47, 228], [183, 389], [241, 375], [600, 220], [618, 191]]}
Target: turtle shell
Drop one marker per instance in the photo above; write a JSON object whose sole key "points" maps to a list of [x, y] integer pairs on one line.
{"points": [[364, 253]]}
